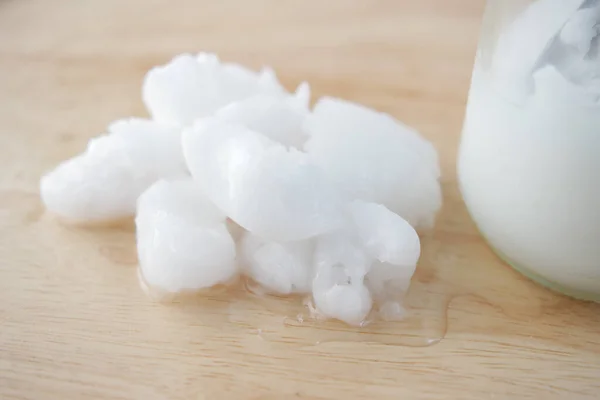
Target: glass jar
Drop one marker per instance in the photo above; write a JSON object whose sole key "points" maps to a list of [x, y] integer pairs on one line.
{"points": [[529, 159]]}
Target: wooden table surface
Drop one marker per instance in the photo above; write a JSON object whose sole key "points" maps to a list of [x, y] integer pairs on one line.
{"points": [[75, 323]]}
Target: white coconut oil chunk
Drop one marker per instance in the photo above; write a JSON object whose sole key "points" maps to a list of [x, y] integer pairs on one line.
{"points": [[182, 241], [279, 267], [104, 182], [195, 86], [273, 192], [371, 259], [279, 118], [371, 156]]}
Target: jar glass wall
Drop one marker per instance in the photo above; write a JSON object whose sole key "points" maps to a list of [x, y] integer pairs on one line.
{"points": [[529, 160]]}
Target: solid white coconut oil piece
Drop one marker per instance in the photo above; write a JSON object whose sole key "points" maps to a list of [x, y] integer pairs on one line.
{"points": [[191, 87], [271, 191], [281, 120], [375, 253], [371, 156], [104, 182], [282, 268], [183, 243]]}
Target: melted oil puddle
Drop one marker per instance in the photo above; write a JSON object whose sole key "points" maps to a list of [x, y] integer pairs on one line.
{"points": [[450, 267], [424, 324], [279, 318]]}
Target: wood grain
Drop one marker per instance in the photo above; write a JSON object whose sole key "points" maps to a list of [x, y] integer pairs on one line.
{"points": [[76, 325]]}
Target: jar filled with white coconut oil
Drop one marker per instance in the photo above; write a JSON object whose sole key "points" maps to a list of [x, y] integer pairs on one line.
{"points": [[529, 161]]}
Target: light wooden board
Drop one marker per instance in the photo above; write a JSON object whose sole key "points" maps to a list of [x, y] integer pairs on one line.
{"points": [[74, 323]]}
